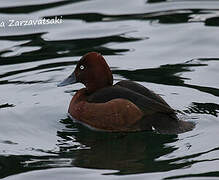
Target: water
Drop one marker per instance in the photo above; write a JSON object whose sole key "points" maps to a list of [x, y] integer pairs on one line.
{"points": [[170, 47]]}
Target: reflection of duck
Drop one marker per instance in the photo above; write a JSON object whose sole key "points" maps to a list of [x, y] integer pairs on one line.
{"points": [[128, 153], [125, 106]]}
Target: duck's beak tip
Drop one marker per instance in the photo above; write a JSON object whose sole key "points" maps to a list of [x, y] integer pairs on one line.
{"points": [[69, 80], [59, 84]]}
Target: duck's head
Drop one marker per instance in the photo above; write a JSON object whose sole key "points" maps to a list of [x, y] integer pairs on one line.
{"points": [[92, 71]]}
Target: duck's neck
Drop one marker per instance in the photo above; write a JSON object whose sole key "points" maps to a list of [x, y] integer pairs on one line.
{"points": [[91, 88]]}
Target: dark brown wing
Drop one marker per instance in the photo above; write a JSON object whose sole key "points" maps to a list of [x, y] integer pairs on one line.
{"points": [[141, 90], [146, 104]]}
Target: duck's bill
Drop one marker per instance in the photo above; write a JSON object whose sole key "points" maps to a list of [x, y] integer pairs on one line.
{"points": [[69, 80]]}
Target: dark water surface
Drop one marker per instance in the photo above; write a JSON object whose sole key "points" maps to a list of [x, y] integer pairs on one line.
{"points": [[170, 47]]}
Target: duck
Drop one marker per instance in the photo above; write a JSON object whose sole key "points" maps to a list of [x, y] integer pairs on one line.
{"points": [[126, 106]]}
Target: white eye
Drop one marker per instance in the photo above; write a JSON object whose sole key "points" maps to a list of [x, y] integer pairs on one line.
{"points": [[81, 67]]}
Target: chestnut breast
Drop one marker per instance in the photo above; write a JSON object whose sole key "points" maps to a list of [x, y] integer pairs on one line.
{"points": [[114, 115]]}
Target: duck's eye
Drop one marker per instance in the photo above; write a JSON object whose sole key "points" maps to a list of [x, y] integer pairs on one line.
{"points": [[81, 67]]}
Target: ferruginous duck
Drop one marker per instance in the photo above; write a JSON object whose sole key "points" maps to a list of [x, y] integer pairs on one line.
{"points": [[123, 107]]}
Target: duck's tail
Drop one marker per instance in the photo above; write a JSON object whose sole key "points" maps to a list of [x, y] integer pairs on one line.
{"points": [[165, 124]]}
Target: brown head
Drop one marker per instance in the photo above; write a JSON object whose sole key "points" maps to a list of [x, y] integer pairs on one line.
{"points": [[92, 71]]}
